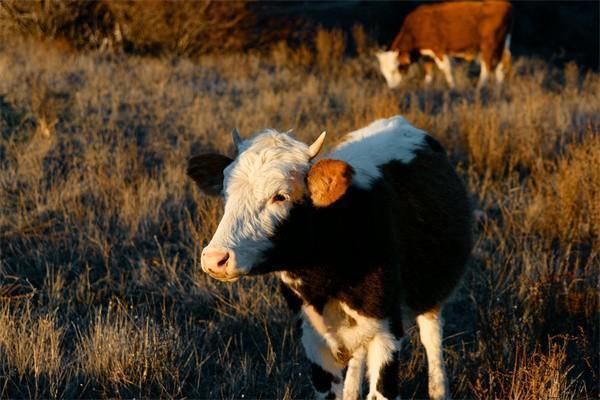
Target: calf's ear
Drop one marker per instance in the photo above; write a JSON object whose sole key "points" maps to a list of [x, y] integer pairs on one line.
{"points": [[207, 171], [328, 180]]}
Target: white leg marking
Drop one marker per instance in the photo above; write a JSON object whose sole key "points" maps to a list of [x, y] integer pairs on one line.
{"points": [[380, 351], [446, 67], [504, 64], [430, 331], [318, 352], [326, 331], [499, 72], [428, 79], [483, 75], [354, 375]]}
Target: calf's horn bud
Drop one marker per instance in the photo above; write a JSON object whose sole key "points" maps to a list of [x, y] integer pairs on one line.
{"points": [[314, 148]]}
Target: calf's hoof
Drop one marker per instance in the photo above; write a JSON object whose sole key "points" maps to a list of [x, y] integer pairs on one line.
{"points": [[438, 391]]}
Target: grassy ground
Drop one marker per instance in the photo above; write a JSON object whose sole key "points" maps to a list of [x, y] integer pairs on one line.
{"points": [[100, 230]]}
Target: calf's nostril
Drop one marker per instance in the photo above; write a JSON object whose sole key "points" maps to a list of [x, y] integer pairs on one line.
{"points": [[223, 260]]}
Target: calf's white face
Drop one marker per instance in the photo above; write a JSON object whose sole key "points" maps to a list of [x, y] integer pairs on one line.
{"points": [[389, 67], [260, 187]]}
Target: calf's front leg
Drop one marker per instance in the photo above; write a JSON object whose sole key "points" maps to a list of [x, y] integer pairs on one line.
{"points": [[338, 350], [354, 375], [326, 372], [383, 366], [445, 65]]}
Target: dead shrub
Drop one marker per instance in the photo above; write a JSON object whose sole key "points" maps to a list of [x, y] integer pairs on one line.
{"points": [[184, 28], [158, 27], [330, 47], [566, 202], [86, 24], [31, 348], [285, 56], [364, 43], [543, 376]]}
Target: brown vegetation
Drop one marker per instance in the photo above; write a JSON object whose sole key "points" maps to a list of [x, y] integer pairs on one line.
{"points": [[156, 27], [100, 230]]}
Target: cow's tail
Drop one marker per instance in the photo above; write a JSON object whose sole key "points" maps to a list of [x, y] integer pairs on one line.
{"points": [[506, 60]]}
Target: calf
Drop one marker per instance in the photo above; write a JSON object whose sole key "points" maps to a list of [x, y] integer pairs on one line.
{"points": [[378, 228], [455, 29]]}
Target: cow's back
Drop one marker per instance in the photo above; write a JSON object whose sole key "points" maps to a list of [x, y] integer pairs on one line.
{"points": [[457, 27]]}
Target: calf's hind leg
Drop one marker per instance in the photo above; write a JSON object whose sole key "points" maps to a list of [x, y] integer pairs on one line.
{"points": [[430, 332]]}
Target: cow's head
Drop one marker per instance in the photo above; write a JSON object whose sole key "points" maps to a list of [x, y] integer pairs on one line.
{"points": [[393, 66], [270, 176]]}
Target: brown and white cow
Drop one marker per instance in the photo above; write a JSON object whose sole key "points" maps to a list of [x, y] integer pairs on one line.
{"points": [[377, 229], [455, 29]]}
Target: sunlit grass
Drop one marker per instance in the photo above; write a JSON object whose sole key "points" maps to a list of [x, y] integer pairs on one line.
{"points": [[100, 230]]}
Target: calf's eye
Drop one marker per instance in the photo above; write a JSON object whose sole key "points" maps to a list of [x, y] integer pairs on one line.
{"points": [[279, 198]]}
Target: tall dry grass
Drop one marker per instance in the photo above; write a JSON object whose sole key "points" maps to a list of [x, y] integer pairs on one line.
{"points": [[158, 27], [100, 230]]}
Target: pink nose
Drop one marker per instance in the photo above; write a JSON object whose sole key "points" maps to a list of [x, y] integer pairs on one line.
{"points": [[215, 259]]}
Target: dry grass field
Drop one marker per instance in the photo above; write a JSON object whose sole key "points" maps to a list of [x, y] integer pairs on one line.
{"points": [[101, 293]]}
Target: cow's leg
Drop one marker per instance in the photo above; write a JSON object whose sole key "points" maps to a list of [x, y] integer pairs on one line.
{"points": [[499, 72], [382, 364], [354, 375], [503, 66], [445, 66], [430, 331], [483, 75], [428, 65], [326, 374]]}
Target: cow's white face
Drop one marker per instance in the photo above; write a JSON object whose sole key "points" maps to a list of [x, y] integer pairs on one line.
{"points": [[389, 67], [260, 187]]}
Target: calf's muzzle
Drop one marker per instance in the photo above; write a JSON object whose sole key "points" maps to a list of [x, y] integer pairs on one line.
{"points": [[215, 262]]}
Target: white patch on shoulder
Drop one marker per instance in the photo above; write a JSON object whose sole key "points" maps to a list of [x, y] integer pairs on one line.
{"points": [[378, 143]]}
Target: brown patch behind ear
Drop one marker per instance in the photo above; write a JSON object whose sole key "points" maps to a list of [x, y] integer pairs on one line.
{"points": [[207, 171], [328, 180]]}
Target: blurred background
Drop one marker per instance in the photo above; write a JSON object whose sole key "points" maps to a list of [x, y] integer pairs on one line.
{"points": [[558, 31]]}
